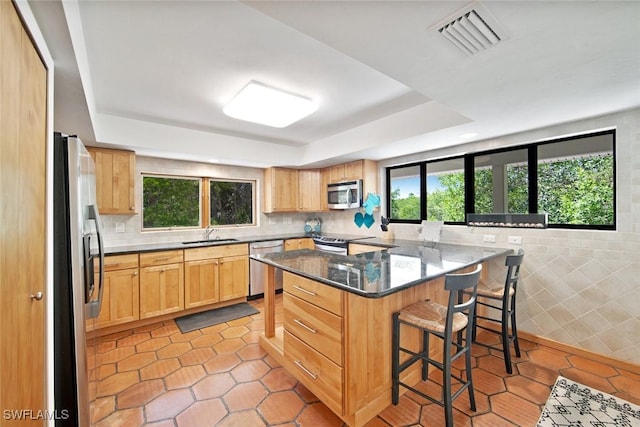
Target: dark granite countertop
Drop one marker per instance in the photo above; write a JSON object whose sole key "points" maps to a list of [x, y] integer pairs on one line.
{"points": [[380, 273], [165, 246]]}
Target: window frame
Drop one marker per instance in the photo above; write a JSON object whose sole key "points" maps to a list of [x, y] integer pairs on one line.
{"points": [[532, 165], [204, 201]]}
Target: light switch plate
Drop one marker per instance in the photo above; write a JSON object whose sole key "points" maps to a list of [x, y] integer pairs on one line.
{"points": [[120, 227], [489, 238]]}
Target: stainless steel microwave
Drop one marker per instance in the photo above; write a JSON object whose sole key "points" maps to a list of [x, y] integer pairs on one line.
{"points": [[344, 195]]}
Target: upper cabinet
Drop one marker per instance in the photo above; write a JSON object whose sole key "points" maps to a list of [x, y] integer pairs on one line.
{"points": [[305, 190], [280, 190], [310, 190], [366, 170], [115, 183]]}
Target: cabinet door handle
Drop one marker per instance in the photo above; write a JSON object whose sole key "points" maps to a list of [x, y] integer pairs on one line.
{"points": [[135, 273], [308, 372], [162, 270], [313, 294], [313, 331]]}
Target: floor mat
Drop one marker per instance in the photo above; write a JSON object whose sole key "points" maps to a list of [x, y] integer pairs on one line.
{"points": [[575, 404], [195, 321]]}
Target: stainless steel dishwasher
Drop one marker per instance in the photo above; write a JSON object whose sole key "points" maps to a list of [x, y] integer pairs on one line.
{"points": [[258, 270]]}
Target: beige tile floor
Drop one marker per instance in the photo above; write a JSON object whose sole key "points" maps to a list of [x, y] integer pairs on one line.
{"points": [[219, 376]]}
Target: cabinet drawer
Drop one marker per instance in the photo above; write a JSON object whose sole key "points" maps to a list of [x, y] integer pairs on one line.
{"points": [[209, 252], [148, 259], [120, 262], [320, 375], [318, 328], [314, 292]]}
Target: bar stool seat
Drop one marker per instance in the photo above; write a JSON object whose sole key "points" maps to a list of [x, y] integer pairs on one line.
{"points": [[444, 322], [501, 303], [431, 316]]}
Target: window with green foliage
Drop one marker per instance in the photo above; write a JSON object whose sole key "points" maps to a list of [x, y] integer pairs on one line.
{"points": [[231, 202], [170, 202], [576, 182], [445, 190], [571, 179], [405, 193]]}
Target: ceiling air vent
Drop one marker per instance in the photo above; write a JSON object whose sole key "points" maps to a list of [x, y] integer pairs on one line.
{"points": [[470, 32]]}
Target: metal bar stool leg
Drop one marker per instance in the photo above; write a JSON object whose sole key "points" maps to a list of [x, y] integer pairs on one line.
{"points": [[395, 360]]}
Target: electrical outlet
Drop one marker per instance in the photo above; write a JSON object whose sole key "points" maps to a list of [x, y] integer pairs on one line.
{"points": [[286, 220], [272, 221], [489, 238], [515, 240], [119, 227]]}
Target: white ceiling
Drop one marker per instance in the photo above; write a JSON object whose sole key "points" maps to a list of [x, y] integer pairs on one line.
{"points": [[153, 76]]}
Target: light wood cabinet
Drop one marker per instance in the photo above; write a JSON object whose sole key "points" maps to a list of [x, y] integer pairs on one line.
{"points": [[280, 190], [216, 273], [161, 283], [366, 170], [115, 180], [234, 277], [313, 337], [359, 248], [295, 244], [310, 190], [121, 292], [201, 285]]}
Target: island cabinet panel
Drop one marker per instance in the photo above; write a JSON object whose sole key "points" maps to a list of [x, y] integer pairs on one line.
{"points": [[319, 328], [318, 373], [314, 292]]}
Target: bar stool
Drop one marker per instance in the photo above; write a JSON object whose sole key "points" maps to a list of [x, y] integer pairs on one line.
{"points": [[503, 299], [444, 322]]}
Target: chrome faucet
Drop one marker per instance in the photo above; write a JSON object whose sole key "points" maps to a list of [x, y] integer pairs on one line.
{"points": [[207, 231]]}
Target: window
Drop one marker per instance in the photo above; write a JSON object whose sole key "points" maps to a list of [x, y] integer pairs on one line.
{"points": [[181, 202], [501, 182], [575, 181], [231, 202], [445, 190], [405, 193], [170, 202], [571, 179]]}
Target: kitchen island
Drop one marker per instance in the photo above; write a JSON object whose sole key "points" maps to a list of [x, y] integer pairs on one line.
{"points": [[335, 336]]}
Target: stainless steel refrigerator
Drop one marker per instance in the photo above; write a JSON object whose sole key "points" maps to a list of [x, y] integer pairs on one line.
{"points": [[78, 264]]}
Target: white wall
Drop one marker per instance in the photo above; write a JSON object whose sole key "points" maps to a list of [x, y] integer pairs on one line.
{"points": [[579, 287]]}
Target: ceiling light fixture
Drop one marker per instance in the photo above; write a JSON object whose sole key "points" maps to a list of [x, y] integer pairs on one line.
{"points": [[259, 103]]}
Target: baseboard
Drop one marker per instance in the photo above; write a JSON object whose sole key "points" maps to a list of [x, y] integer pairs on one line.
{"points": [[596, 357]]}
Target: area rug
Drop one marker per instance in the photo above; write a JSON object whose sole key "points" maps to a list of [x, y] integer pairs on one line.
{"points": [[191, 322], [575, 404]]}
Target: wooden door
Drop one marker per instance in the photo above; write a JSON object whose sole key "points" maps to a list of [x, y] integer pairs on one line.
{"points": [[161, 290], [234, 277], [200, 283], [23, 210]]}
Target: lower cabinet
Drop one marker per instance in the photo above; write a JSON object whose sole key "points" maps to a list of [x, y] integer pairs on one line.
{"points": [[295, 244], [161, 283], [216, 273], [313, 334], [120, 295], [234, 277]]}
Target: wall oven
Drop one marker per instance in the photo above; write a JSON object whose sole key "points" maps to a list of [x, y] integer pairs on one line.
{"points": [[344, 195]]}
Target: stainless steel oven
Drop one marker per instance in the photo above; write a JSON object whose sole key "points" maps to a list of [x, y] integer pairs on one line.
{"points": [[334, 245]]}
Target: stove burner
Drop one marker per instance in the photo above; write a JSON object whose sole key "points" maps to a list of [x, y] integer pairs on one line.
{"points": [[328, 239]]}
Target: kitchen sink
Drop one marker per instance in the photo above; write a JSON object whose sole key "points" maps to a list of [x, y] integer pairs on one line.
{"points": [[209, 241]]}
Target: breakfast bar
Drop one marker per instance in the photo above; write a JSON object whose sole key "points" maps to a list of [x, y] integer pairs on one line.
{"points": [[335, 334]]}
